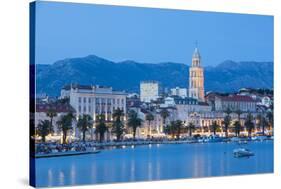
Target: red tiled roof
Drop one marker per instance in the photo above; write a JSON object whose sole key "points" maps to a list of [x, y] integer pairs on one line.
{"points": [[237, 98]]}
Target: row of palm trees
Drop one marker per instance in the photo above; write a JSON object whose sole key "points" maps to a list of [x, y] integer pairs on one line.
{"points": [[85, 124], [174, 128], [263, 121]]}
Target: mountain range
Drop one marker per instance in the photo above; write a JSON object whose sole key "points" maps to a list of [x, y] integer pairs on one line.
{"points": [[227, 76]]}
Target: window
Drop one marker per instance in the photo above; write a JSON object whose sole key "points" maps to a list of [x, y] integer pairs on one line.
{"points": [[89, 109], [89, 100], [79, 99], [84, 99], [108, 101], [79, 109], [102, 100]]}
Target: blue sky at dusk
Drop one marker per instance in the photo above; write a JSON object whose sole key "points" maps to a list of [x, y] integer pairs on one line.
{"points": [[66, 30]]}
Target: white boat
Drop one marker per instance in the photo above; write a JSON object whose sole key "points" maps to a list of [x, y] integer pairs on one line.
{"points": [[242, 152]]}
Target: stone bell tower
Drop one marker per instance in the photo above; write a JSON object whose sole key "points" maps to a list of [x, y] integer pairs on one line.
{"points": [[196, 77]]}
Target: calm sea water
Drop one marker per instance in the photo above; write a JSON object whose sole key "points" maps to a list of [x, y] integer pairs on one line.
{"points": [[155, 162]]}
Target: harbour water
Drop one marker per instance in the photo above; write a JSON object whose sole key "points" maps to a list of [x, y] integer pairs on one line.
{"points": [[154, 162]]}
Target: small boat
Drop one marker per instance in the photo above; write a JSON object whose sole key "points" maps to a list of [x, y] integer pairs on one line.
{"points": [[68, 153], [242, 152]]}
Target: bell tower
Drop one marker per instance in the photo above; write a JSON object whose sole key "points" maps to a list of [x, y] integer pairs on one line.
{"points": [[196, 77]]}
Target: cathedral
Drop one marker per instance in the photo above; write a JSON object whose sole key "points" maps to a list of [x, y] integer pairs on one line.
{"points": [[196, 77]]}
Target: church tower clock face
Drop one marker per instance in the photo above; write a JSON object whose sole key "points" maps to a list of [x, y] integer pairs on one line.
{"points": [[196, 77]]}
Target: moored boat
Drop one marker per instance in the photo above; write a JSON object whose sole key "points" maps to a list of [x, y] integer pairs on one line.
{"points": [[242, 152]]}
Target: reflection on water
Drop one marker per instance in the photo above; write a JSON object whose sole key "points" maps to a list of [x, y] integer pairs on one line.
{"points": [[153, 163]]}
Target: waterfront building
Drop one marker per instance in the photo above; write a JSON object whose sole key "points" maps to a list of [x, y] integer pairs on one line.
{"points": [[233, 102], [149, 90], [95, 100], [181, 92], [196, 77], [41, 114], [152, 128], [186, 107]]}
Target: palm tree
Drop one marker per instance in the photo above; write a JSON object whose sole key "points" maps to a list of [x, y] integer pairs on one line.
{"points": [[249, 124], [43, 129], [134, 122], [239, 112], [171, 129], [178, 127], [270, 118], [101, 127], [214, 127], [51, 113], [84, 123], [118, 126], [65, 124], [191, 128], [149, 117], [164, 114], [261, 122], [227, 120], [237, 128]]}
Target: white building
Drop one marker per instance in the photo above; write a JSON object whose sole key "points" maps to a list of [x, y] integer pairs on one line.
{"points": [[95, 100], [149, 90], [182, 92], [187, 106]]}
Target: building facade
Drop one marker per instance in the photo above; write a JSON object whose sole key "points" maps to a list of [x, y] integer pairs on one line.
{"points": [[96, 100], [196, 77], [149, 90], [182, 92], [41, 114]]}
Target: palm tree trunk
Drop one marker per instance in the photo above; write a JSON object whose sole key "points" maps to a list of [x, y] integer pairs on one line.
{"points": [[51, 123], [84, 133], [64, 137], [164, 124], [134, 133], [149, 129]]}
